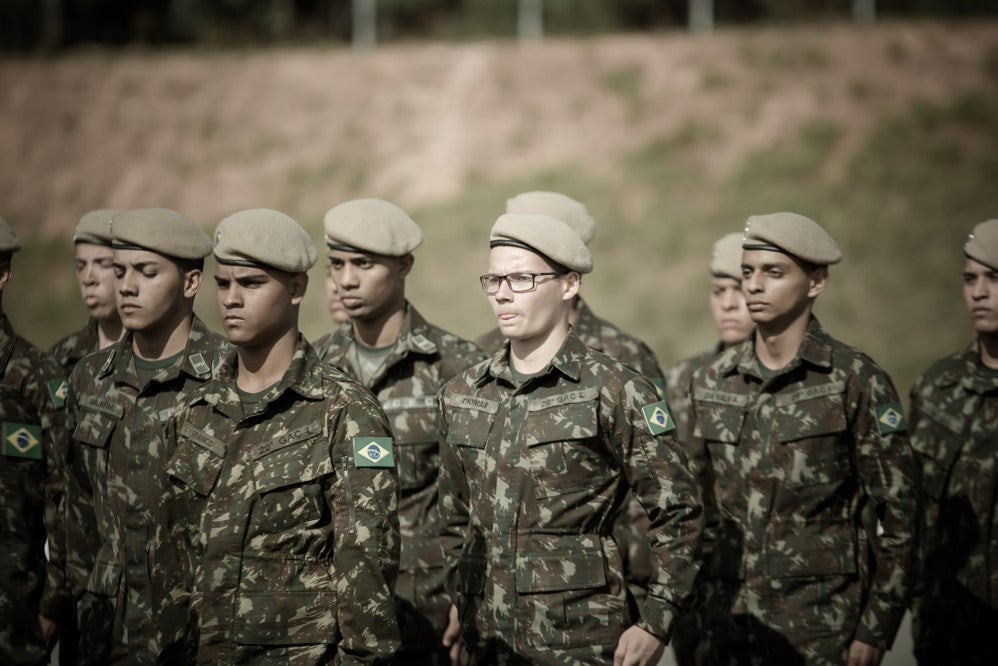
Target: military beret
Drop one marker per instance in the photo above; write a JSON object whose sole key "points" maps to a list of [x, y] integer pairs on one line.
{"points": [[544, 235], [264, 238], [8, 239], [792, 234], [160, 230], [95, 227], [726, 257], [982, 244], [371, 225], [561, 207]]}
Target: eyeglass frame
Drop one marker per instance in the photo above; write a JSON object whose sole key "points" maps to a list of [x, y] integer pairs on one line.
{"points": [[509, 283]]}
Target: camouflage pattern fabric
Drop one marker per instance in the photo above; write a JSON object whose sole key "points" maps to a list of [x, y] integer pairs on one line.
{"points": [[22, 506], [532, 482], [954, 431], [116, 479], [281, 535], [423, 359], [795, 457], [42, 382], [71, 349]]}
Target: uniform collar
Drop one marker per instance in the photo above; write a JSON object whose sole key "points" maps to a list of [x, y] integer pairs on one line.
{"points": [[567, 360], [196, 361], [971, 373], [815, 350], [414, 338]]}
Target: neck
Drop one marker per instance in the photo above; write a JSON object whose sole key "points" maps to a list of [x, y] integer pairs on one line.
{"points": [[989, 350], [573, 314], [382, 330], [776, 345], [530, 356], [165, 341], [109, 331], [261, 366]]}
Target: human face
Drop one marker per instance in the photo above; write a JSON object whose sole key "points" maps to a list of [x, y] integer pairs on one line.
{"points": [[727, 305], [980, 293], [258, 305], [777, 290], [151, 291], [96, 279], [371, 286], [337, 312], [530, 315]]}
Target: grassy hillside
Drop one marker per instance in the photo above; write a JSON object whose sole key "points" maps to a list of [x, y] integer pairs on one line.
{"points": [[887, 136]]}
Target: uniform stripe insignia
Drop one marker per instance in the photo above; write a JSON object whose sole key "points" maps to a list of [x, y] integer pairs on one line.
{"points": [[373, 452], [658, 418], [199, 364], [890, 418], [22, 440], [59, 390]]}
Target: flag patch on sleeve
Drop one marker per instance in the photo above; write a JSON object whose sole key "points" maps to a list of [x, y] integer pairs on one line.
{"points": [[658, 418], [373, 452], [21, 440], [890, 418]]}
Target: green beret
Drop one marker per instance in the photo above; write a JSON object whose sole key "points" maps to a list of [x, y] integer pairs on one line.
{"points": [[159, 230], [8, 239], [982, 245], [544, 235], [568, 210], [726, 257], [792, 234], [95, 227], [264, 238], [371, 225]]}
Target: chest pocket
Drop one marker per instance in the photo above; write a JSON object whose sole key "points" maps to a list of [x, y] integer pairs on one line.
{"points": [[469, 424], [938, 439], [564, 452], [416, 428], [288, 473], [197, 460], [810, 424], [719, 425], [94, 428]]}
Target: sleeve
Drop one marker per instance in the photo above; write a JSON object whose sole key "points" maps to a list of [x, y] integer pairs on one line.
{"points": [[888, 474], [364, 499], [659, 475]]}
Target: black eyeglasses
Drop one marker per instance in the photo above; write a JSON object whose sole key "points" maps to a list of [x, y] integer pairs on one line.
{"points": [[518, 282]]}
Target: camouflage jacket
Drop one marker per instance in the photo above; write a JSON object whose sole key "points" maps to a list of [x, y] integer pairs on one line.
{"points": [[70, 350], [795, 459], [38, 378], [534, 478], [286, 507], [602, 336], [118, 454], [22, 548], [954, 431], [425, 357]]}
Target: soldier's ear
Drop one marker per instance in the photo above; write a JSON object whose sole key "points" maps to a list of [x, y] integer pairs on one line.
{"points": [[192, 282], [298, 284], [405, 263], [571, 281], [818, 280], [5, 273]]}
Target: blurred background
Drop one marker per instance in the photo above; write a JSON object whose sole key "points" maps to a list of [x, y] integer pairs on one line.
{"points": [[672, 120]]}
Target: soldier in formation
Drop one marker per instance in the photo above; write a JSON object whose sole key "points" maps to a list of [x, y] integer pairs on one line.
{"points": [[120, 398], [543, 441], [283, 491], [801, 434], [954, 431], [404, 360]]}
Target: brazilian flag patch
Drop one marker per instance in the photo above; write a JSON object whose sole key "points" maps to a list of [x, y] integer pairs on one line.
{"points": [[21, 440], [373, 452], [658, 418], [59, 390], [890, 418]]}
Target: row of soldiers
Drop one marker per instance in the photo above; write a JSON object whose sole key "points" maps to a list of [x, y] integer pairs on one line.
{"points": [[544, 495]]}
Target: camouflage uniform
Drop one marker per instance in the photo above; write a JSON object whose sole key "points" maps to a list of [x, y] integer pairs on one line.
{"points": [[71, 349], [31, 372], [795, 457], [294, 543], [532, 481], [954, 431], [116, 480], [22, 505], [425, 357]]}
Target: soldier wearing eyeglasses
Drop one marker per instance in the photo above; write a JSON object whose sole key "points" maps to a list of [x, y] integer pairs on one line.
{"points": [[543, 441]]}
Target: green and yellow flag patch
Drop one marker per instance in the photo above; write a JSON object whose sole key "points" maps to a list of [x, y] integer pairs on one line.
{"points": [[890, 418], [59, 390], [658, 418], [21, 440], [373, 452]]}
